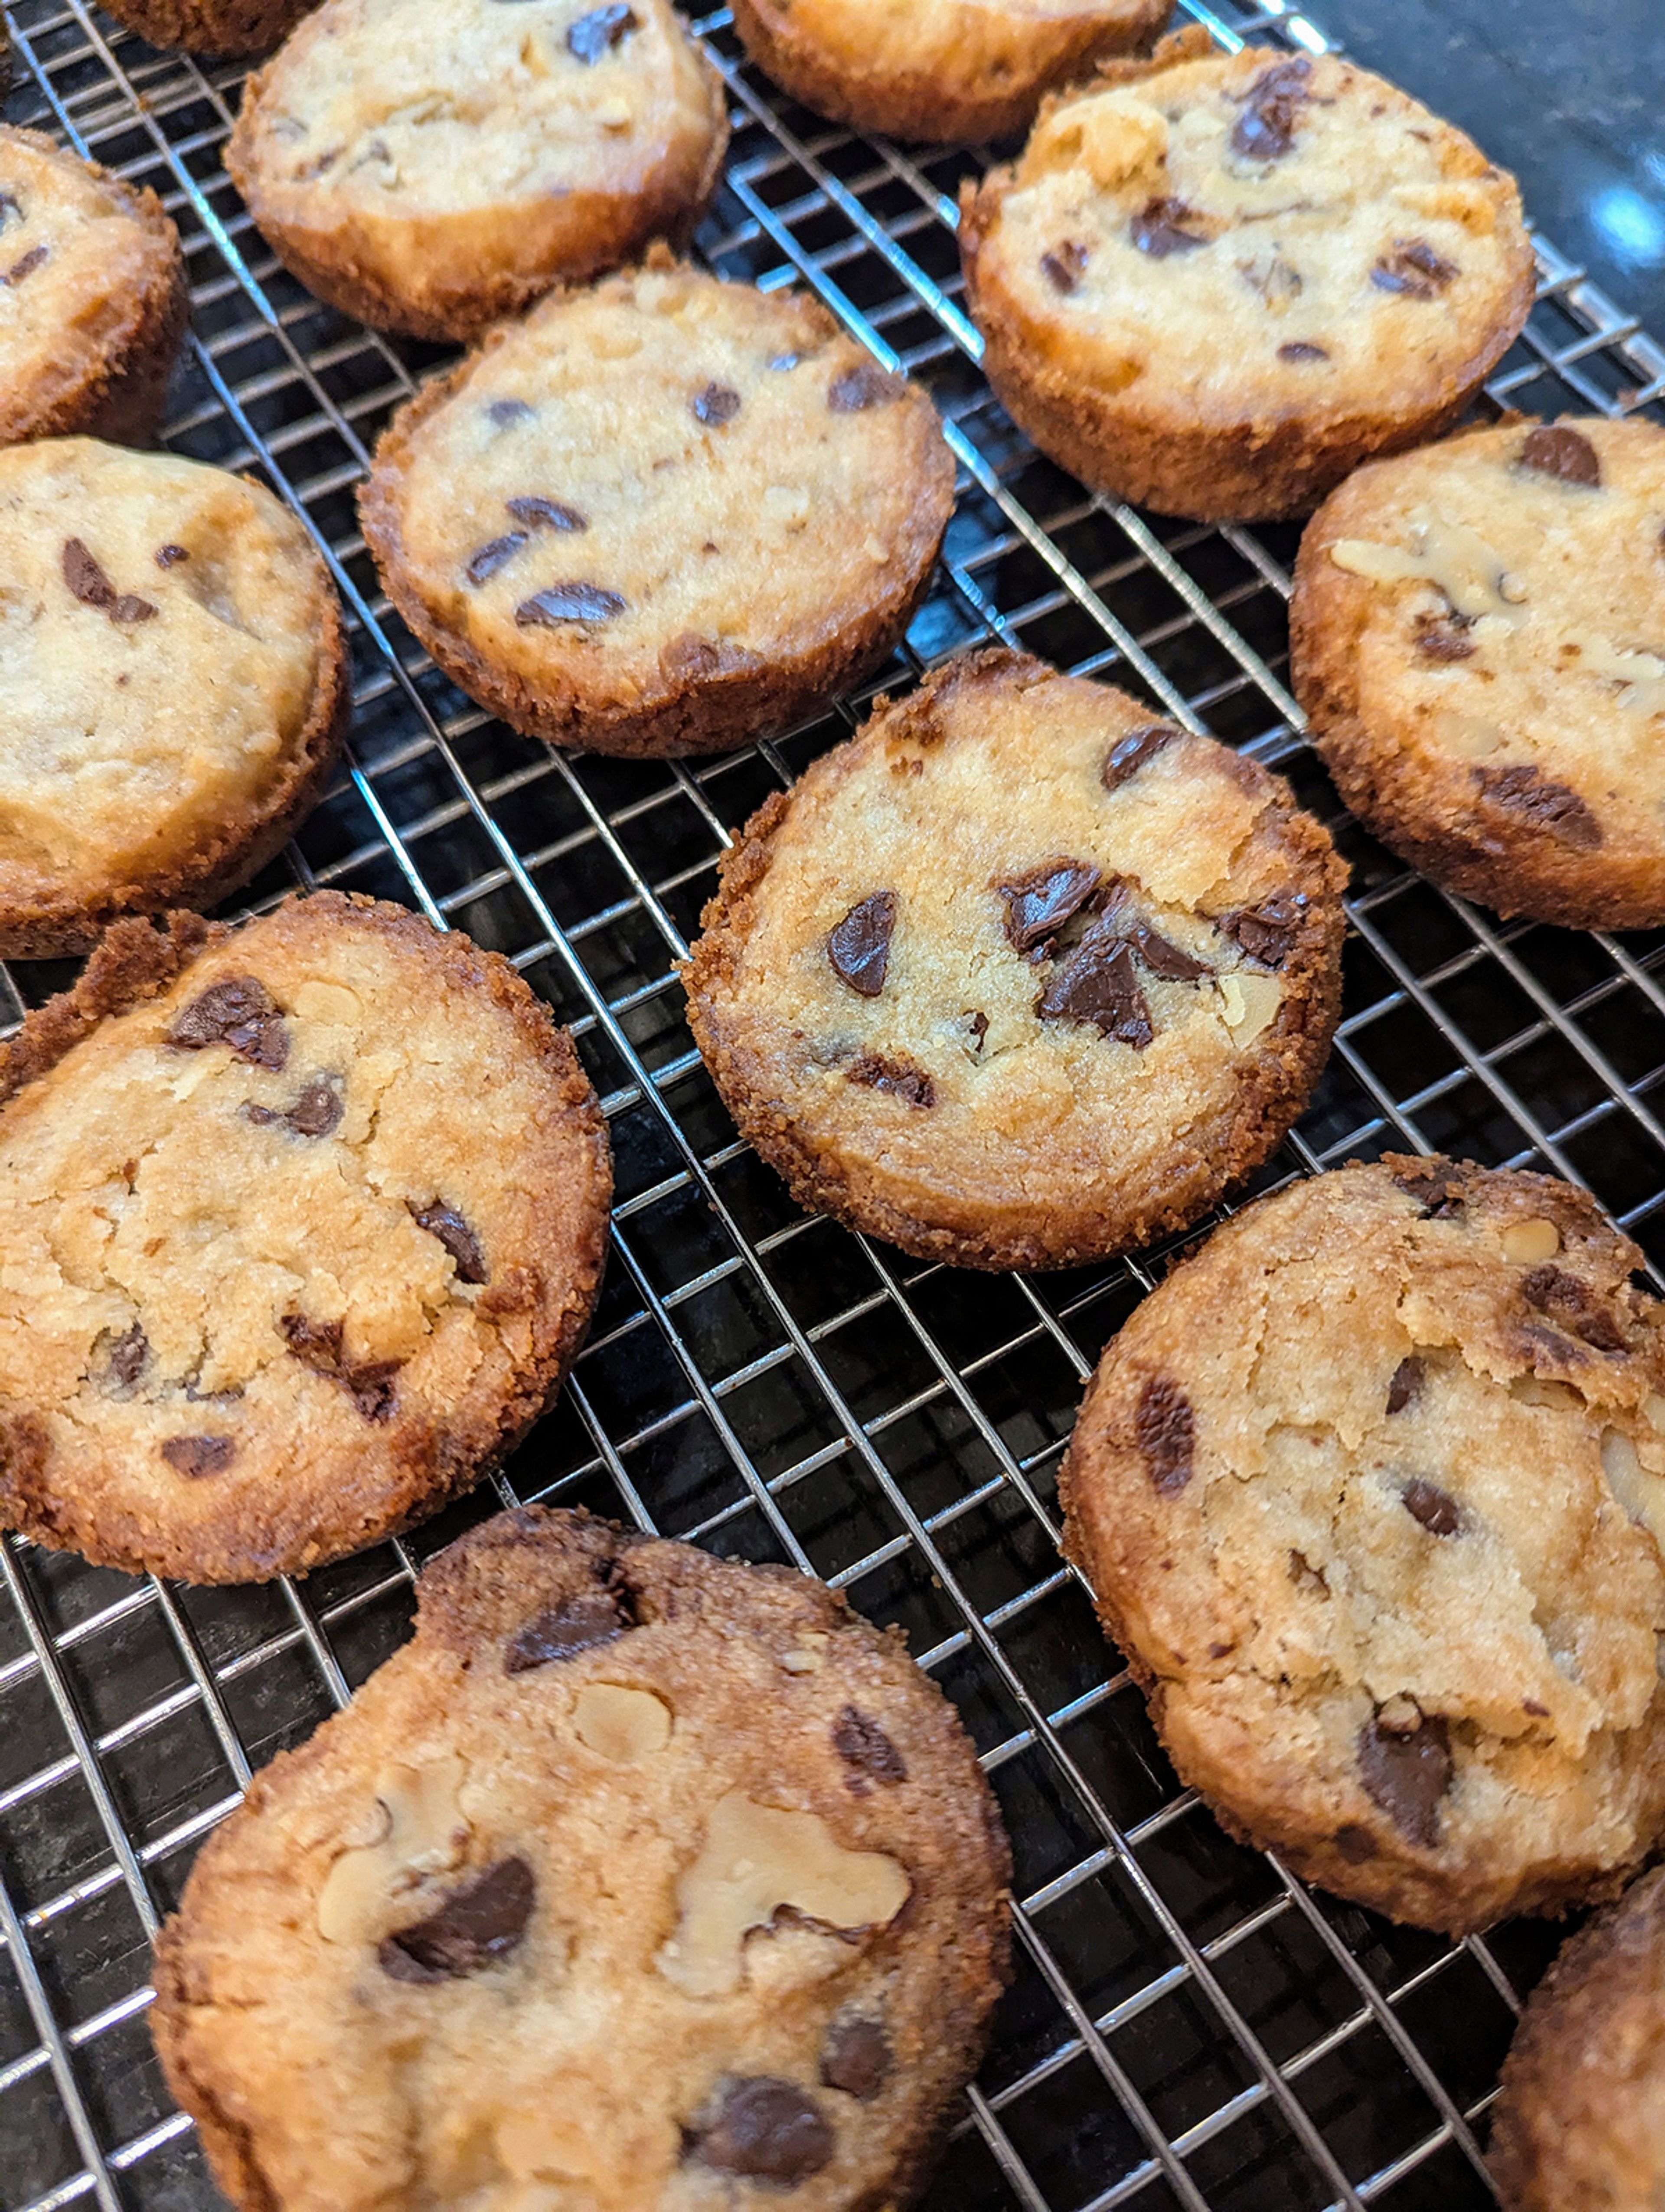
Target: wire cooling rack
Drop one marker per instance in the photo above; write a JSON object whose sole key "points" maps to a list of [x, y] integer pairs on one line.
{"points": [[1189, 2026]]}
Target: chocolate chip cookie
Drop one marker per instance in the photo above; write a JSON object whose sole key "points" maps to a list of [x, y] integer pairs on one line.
{"points": [[1020, 976], [1214, 283], [431, 165], [1580, 2123], [944, 70], [664, 515], [174, 686], [639, 1878], [1372, 1492], [1477, 634], [93, 296], [303, 1224]]}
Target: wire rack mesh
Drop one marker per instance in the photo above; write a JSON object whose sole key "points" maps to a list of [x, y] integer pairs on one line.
{"points": [[1189, 2026]]}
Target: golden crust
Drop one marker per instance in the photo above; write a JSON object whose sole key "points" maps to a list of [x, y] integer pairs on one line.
{"points": [[228, 29]]}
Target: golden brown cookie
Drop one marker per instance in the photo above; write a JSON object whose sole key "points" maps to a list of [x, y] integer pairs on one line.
{"points": [[1020, 976], [303, 1224], [639, 1878], [429, 166], [664, 515], [233, 28], [1371, 1494], [1214, 283]]}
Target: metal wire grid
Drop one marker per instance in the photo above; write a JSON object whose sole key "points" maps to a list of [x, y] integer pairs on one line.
{"points": [[1189, 2026]]}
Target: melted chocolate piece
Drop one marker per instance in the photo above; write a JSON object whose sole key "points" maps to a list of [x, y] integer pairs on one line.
{"points": [[717, 404], [866, 1749], [27, 266], [1438, 1189], [1554, 450], [900, 1079], [478, 1923], [1156, 229], [546, 514], [1265, 131], [129, 1357], [1040, 902], [1165, 1431], [1064, 266], [1436, 1508], [766, 2130], [1267, 933], [1414, 269], [496, 554], [560, 1632], [1406, 1383], [1098, 985], [1555, 808], [859, 947], [501, 412], [318, 1345], [1165, 959], [1571, 1304], [238, 1012], [856, 2056], [593, 36], [89, 584], [314, 1114], [169, 556], [1128, 754], [200, 1456], [1302, 349], [1407, 1773], [865, 385], [569, 603], [454, 1233]]}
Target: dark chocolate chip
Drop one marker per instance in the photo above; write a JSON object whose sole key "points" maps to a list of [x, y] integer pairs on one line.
{"points": [[1571, 1304], [1302, 349], [866, 1749], [371, 1387], [1042, 902], [483, 564], [1267, 933], [1555, 808], [1097, 984], [979, 1026], [317, 1110], [898, 1077], [593, 36], [856, 2056], [1265, 131], [1406, 1383], [766, 2130], [197, 1455], [169, 556], [865, 385], [1156, 229], [1064, 266], [569, 603], [1165, 959], [1437, 1188], [85, 578], [131, 608], [454, 1233], [1406, 1772], [318, 1345], [717, 404], [1441, 638], [27, 266], [1164, 1429], [238, 1012], [859, 948], [477, 1924], [1436, 1508], [546, 514], [1413, 268], [129, 1357], [1554, 450], [1128, 754], [560, 1632], [501, 412]]}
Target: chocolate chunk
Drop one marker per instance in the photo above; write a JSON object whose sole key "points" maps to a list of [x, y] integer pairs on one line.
{"points": [[1406, 1383], [593, 36], [1441, 638], [198, 1455], [766, 2130], [482, 565], [27, 266], [454, 1233], [1438, 1187], [238, 1012], [316, 1111], [318, 1345], [1266, 933], [1156, 229], [569, 603], [1042, 902], [1265, 131], [89, 584], [371, 1387], [1436, 1508], [1164, 1429], [717, 404], [546, 514], [1555, 808], [1302, 349], [1556, 451], [560, 1632], [865, 385], [856, 2056], [898, 1076], [1406, 1772], [169, 556], [1571, 1304], [501, 412], [1414, 269], [481, 1922], [1128, 754], [859, 947], [315, 1344], [1165, 959], [1064, 266], [129, 1356], [1098, 985], [866, 1749]]}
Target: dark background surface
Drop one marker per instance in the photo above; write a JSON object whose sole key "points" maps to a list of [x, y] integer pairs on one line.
{"points": [[1568, 94]]}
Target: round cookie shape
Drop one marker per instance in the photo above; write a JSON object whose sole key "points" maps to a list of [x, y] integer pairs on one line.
{"points": [[93, 297], [429, 166], [1478, 635], [1215, 283], [1020, 976], [1371, 1494], [1579, 2124], [304, 1222], [174, 686], [944, 70], [637, 1878], [664, 515]]}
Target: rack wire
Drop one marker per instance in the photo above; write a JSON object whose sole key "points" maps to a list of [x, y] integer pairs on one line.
{"points": [[1189, 2025]]}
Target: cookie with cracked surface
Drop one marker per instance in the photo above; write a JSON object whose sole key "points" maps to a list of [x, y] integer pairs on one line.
{"points": [[944, 70], [174, 687], [638, 1878], [431, 166], [1579, 2124], [1020, 976], [1371, 1492], [304, 1222], [1478, 635], [611, 525], [1214, 283], [93, 297]]}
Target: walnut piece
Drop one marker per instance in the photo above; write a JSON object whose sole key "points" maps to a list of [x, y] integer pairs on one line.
{"points": [[424, 1832], [621, 1723], [1526, 1243]]}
